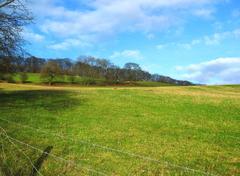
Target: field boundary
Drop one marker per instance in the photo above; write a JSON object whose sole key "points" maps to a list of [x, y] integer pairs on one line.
{"points": [[146, 158], [52, 155], [10, 141]]}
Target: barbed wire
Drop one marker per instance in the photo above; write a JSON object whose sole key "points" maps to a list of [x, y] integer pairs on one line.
{"points": [[146, 158], [22, 152], [52, 155], [4, 155]]}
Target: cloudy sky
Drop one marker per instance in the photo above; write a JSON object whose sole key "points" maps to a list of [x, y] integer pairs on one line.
{"points": [[197, 40]]}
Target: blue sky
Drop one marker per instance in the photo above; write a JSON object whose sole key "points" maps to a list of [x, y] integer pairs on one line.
{"points": [[197, 40]]}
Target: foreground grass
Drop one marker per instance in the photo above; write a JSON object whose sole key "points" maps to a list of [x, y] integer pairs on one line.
{"points": [[187, 127]]}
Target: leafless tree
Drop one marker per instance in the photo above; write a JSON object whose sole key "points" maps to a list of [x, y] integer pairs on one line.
{"points": [[13, 17], [50, 71], [5, 3]]}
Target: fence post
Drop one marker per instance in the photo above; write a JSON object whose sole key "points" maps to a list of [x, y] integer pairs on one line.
{"points": [[38, 164]]}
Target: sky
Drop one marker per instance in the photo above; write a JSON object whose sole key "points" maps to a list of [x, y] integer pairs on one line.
{"points": [[195, 40]]}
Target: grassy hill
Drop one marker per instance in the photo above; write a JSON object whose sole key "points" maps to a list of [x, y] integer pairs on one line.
{"points": [[121, 131]]}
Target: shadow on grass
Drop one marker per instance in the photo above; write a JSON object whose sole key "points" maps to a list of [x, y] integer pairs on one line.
{"points": [[50, 100], [16, 104]]}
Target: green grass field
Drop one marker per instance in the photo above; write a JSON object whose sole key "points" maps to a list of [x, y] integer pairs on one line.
{"points": [[121, 131]]}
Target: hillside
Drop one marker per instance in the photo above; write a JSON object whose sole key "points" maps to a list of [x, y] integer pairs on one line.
{"points": [[121, 131]]}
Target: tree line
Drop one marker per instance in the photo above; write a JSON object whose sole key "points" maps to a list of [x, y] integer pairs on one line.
{"points": [[85, 66]]}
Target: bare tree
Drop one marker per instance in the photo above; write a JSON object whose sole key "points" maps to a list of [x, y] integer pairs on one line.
{"points": [[5, 3], [13, 17], [50, 71]]}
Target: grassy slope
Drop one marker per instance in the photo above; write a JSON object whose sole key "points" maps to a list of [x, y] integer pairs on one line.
{"points": [[196, 127], [32, 77]]}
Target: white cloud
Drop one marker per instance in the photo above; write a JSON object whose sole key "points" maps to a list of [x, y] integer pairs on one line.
{"points": [[219, 37], [218, 71], [129, 54], [68, 44], [204, 13], [107, 16], [189, 45], [32, 37], [214, 39]]}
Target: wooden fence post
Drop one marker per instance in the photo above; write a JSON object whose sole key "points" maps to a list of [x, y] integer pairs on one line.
{"points": [[38, 164]]}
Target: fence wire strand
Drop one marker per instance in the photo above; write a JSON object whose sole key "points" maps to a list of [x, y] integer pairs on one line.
{"points": [[146, 158], [52, 155], [21, 151]]}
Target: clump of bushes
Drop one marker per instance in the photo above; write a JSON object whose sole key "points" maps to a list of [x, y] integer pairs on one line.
{"points": [[8, 78]]}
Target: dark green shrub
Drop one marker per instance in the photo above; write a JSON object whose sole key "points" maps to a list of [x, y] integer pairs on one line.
{"points": [[8, 78]]}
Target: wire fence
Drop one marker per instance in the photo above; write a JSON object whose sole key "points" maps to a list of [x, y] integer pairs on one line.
{"points": [[119, 151], [21, 151], [76, 165]]}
